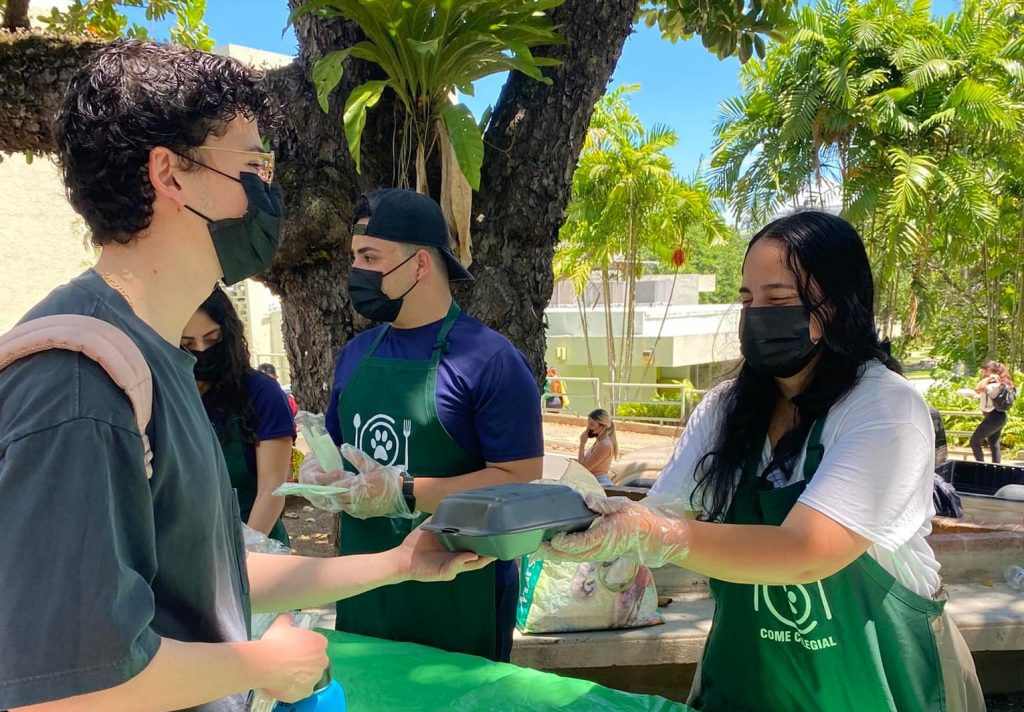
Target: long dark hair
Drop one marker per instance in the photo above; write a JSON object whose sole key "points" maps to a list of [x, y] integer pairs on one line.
{"points": [[833, 276], [230, 393]]}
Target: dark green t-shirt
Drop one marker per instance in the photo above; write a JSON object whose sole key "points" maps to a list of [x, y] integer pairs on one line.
{"points": [[98, 561]]}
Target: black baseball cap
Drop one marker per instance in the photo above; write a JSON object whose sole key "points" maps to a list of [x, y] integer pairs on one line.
{"points": [[407, 216]]}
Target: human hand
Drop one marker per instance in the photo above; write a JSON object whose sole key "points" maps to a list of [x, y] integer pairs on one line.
{"points": [[652, 535], [422, 557], [375, 492], [311, 473], [293, 660]]}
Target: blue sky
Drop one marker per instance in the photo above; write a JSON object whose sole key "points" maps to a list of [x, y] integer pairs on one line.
{"points": [[681, 85]]}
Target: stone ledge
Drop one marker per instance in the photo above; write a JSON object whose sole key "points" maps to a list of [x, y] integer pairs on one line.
{"points": [[990, 618]]}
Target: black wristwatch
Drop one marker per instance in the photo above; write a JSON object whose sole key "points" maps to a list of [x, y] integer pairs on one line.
{"points": [[407, 490]]}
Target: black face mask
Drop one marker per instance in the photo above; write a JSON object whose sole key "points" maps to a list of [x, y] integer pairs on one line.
{"points": [[246, 245], [364, 289], [776, 341], [212, 363]]}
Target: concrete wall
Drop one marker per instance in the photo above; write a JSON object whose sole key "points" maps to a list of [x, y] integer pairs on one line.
{"points": [[42, 240]]}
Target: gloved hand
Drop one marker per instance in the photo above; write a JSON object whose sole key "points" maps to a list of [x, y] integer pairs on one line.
{"points": [[311, 473], [376, 491], [652, 534]]}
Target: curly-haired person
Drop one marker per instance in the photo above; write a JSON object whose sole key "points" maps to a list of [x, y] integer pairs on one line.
{"points": [[137, 595]]}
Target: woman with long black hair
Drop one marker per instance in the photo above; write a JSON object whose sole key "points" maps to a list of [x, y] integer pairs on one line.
{"points": [[248, 411], [803, 489]]}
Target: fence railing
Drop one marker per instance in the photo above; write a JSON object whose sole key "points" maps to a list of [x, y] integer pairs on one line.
{"points": [[661, 403], [580, 396], [959, 434]]}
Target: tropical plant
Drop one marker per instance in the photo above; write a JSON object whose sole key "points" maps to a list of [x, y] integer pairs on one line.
{"points": [[105, 19], [427, 51], [913, 128], [626, 205]]}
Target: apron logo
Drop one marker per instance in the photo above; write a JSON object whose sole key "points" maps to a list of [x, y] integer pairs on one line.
{"points": [[378, 438], [793, 606]]}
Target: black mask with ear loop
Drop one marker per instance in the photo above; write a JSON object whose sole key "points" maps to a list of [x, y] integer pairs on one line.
{"points": [[246, 245], [777, 341], [368, 297]]}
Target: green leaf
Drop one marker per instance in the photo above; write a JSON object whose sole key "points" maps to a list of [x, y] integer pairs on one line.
{"points": [[363, 97], [467, 141], [327, 73], [427, 47], [485, 118]]}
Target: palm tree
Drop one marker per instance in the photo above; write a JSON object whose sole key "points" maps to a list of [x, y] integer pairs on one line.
{"points": [[910, 117], [626, 203]]}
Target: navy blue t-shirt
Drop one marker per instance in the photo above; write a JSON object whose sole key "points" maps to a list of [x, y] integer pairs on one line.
{"points": [[273, 414], [487, 397]]}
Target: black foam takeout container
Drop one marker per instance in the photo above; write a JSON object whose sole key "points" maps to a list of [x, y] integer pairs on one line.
{"points": [[508, 521]]}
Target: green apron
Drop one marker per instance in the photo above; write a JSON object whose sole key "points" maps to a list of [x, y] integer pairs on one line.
{"points": [[388, 410], [855, 641], [243, 480]]}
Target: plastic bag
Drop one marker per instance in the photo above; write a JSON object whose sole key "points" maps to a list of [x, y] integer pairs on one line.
{"points": [[314, 432], [260, 543], [320, 496], [561, 596], [308, 620]]}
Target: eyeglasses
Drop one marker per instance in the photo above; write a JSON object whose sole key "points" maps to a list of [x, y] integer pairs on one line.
{"points": [[264, 162]]}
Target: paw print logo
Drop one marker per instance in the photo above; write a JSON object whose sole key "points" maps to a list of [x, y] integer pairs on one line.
{"points": [[378, 438], [382, 444]]}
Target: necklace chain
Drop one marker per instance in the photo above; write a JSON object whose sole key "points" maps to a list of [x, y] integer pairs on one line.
{"points": [[109, 279]]}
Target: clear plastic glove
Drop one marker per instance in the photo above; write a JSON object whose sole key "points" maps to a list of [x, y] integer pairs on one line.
{"points": [[376, 491], [653, 533], [311, 473]]}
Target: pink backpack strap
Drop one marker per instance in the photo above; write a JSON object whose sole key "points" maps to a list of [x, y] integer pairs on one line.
{"points": [[102, 342]]}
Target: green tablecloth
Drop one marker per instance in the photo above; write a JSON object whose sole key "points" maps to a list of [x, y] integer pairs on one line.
{"points": [[380, 675]]}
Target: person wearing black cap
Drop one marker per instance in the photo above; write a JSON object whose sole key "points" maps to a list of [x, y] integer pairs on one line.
{"points": [[432, 402]]}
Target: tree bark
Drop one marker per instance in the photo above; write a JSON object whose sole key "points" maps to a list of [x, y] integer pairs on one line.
{"points": [[532, 144], [16, 15], [34, 72]]}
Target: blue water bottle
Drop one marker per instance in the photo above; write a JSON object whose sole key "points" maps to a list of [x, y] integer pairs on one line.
{"points": [[327, 697]]}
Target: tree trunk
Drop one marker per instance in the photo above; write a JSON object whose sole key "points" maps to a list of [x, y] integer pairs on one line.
{"points": [[16, 15], [1017, 329], [586, 334], [533, 142], [609, 326], [991, 305], [661, 326], [629, 301]]}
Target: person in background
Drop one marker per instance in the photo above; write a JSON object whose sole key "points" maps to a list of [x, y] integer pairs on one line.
{"points": [[994, 378], [247, 409], [599, 457], [271, 370], [554, 391]]}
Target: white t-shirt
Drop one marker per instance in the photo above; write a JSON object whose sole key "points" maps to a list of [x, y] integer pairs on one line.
{"points": [[987, 396], [875, 479]]}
